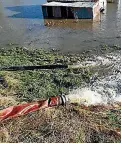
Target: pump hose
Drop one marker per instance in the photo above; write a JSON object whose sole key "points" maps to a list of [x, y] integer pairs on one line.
{"points": [[22, 68], [19, 110]]}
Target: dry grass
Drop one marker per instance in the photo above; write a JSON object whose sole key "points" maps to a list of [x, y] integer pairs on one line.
{"points": [[69, 124], [8, 86], [6, 101]]}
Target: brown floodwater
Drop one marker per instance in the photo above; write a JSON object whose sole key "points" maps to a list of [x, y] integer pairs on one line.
{"points": [[21, 22]]}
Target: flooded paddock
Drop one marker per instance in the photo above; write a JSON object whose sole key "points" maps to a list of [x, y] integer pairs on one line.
{"points": [[22, 22]]}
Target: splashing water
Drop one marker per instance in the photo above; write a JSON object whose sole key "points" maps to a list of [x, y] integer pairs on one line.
{"points": [[105, 90], [84, 96]]}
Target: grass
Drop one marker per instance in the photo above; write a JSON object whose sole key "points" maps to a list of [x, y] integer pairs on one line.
{"points": [[32, 85], [72, 123]]}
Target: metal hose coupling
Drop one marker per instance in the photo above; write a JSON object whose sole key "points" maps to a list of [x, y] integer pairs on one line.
{"points": [[64, 99], [57, 100]]}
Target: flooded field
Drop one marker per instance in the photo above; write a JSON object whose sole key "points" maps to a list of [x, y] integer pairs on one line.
{"points": [[21, 21], [92, 52]]}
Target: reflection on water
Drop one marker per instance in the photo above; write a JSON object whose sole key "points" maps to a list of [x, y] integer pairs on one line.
{"points": [[21, 21], [71, 23], [29, 12]]}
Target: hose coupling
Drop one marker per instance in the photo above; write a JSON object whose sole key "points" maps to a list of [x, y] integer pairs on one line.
{"points": [[64, 99]]}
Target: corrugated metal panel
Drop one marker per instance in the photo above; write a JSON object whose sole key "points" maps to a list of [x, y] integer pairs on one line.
{"points": [[84, 13], [44, 10], [75, 4], [72, 13], [72, 0], [76, 10], [57, 12]]}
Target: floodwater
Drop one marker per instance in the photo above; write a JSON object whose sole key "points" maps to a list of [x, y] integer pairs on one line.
{"points": [[21, 22]]}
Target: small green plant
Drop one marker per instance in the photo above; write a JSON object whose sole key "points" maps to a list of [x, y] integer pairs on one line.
{"points": [[114, 119]]}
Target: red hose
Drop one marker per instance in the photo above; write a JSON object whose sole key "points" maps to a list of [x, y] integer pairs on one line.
{"points": [[19, 110]]}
